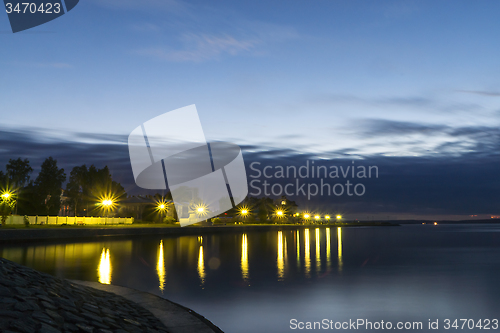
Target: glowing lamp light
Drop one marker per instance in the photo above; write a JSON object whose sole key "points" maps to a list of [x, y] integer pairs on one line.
{"points": [[244, 212], [200, 209], [317, 217], [307, 216], [161, 206], [435, 223], [339, 217], [327, 217], [279, 213], [6, 195], [107, 202]]}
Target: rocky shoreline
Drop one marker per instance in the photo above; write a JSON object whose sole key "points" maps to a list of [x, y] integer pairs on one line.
{"points": [[34, 302]]}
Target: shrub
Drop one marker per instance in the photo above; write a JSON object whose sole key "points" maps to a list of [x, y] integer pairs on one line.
{"points": [[169, 219]]}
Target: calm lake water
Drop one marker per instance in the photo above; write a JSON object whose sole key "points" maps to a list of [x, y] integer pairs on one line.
{"points": [[259, 281]]}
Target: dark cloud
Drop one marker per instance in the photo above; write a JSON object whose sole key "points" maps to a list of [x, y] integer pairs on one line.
{"points": [[465, 183], [480, 140], [36, 146], [382, 127]]}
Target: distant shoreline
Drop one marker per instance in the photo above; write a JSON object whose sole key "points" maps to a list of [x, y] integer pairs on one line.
{"points": [[99, 232]]}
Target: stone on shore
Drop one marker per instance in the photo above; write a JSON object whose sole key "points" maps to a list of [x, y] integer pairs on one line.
{"points": [[34, 302]]}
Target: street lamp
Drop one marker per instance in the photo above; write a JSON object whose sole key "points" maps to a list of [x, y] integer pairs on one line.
{"points": [[108, 205], [327, 217], [6, 195], [339, 217], [161, 207], [307, 216], [243, 212]]}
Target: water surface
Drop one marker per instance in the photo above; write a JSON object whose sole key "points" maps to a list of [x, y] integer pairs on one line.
{"points": [[259, 281]]}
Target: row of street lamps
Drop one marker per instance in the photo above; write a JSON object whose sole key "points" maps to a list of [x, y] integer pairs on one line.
{"points": [[108, 203], [280, 213]]}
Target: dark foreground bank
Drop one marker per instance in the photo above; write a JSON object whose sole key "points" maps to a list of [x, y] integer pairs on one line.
{"points": [[34, 302], [31, 301], [69, 232]]}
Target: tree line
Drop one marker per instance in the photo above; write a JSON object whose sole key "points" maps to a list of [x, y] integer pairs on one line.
{"points": [[42, 196]]}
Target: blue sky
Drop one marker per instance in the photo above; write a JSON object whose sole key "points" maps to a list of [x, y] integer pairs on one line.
{"points": [[314, 76], [317, 79]]}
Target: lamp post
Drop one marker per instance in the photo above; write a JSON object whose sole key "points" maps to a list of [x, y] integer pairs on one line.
{"points": [[161, 208], [107, 204], [201, 210]]}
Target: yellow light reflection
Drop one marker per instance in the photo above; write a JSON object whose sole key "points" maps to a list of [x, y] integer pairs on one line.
{"points": [[104, 270], [244, 257], [160, 267], [201, 266], [307, 251], [318, 251], [339, 238], [328, 249], [285, 250], [298, 249], [281, 262]]}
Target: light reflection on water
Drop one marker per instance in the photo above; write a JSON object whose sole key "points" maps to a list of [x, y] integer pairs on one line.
{"points": [[297, 235], [280, 260], [318, 252], [201, 266], [307, 253], [239, 280], [339, 251], [104, 269], [160, 267], [328, 249], [244, 257]]}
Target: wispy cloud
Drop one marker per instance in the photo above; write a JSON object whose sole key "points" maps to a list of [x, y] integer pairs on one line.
{"points": [[198, 48], [207, 33], [481, 92]]}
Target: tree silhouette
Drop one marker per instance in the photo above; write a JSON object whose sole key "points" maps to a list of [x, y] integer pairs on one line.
{"points": [[48, 186]]}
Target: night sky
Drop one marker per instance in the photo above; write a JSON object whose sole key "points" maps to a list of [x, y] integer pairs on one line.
{"points": [[409, 86]]}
